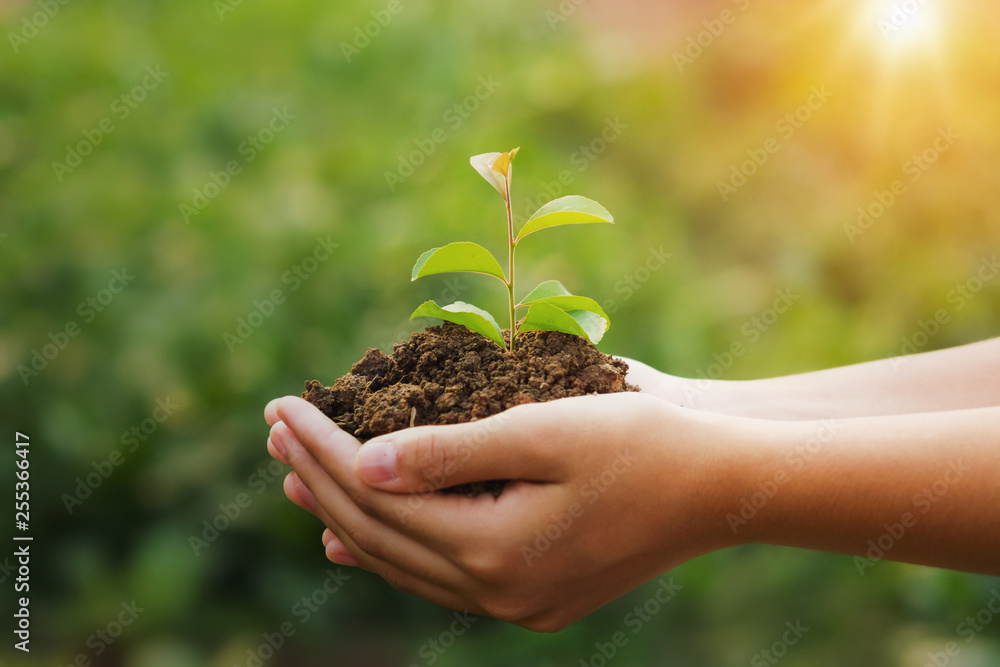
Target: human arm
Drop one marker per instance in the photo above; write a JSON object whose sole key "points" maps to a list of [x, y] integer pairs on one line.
{"points": [[953, 379], [920, 488], [691, 473]]}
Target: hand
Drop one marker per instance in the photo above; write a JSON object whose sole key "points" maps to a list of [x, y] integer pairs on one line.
{"points": [[704, 395], [607, 492]]}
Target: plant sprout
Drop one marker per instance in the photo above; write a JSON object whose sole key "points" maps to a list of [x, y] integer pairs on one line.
{"points": [[550, 306]]}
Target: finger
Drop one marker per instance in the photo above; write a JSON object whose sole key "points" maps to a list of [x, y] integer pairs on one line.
{"points": [[340, 557], [402, 581], [369, 535], [271, 416], [503, 446], [271, 411], [341, 549], [441, 522], [299, 493], [308, 423], [337, 553], [274, 449]]}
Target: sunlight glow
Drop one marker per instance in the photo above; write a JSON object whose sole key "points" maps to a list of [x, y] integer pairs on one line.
{"points": [[904, 26], [897, 50]]}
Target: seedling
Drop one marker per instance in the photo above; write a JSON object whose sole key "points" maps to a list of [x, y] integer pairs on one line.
{"points": [[550, 306]]}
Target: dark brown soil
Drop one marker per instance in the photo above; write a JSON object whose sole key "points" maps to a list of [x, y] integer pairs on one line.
{"points": [[450, 375]]}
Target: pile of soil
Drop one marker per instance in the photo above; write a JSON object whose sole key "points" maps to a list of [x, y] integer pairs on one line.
{"points": [[451, 375]]}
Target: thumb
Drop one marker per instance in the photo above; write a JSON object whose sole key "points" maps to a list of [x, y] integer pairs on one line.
{"points": [[427, 458]]}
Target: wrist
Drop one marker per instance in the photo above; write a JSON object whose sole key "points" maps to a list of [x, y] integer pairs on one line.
{"points": [[713, 462], [748, 468]]}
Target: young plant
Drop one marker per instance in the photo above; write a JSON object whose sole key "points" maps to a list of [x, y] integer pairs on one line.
{"points": [[550, 306]]}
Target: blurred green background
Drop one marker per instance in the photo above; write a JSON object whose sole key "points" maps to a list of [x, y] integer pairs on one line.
{"points": [[596, 94]]}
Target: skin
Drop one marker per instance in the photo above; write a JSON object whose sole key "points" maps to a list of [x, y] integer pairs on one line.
{"points": [[958, 378], [894, 460]]}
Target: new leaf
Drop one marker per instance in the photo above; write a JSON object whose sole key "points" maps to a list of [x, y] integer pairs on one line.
{"points": [[495, 168]]}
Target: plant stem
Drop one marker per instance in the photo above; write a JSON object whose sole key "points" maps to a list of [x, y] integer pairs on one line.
{"points": [[510, 263]]}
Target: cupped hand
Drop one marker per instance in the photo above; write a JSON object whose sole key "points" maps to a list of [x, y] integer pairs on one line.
{"points": [[606, 493]]}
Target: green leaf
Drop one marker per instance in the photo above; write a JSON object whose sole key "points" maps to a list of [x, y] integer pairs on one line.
{"points": [[454, 257], [545, 290], [470, 317], [594, 324], [553, 293], [571, 210], [546, 317]]}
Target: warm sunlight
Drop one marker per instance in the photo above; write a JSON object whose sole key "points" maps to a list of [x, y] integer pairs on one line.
{"points": [[904, 26], [902, 49]]}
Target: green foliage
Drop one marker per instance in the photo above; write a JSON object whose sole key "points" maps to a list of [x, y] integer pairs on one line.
{"points": [[585, 311], [458, 257], [544, 316], [550, 306], [467, 315], [569, 210]]}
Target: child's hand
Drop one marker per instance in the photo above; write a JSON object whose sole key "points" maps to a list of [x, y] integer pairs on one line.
{"points": [[607, 492]]}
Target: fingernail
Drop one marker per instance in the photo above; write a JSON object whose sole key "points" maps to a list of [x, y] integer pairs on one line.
{"points": [[307, 496], [278, 441], [376, 461], [341, 558]]}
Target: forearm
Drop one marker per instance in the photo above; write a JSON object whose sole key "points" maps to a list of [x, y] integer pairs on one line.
{"points": [[953, 379], [915, 488]]}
